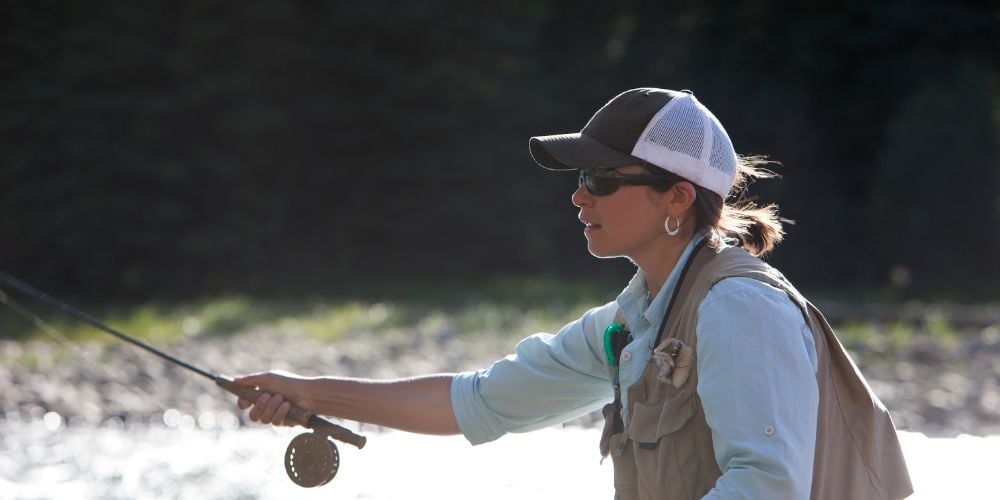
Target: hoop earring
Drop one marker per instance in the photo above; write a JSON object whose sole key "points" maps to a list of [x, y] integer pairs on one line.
{"points": [[674, 231]]}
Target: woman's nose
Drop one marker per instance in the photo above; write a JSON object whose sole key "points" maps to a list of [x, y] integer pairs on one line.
{"points": [[582, 197]]}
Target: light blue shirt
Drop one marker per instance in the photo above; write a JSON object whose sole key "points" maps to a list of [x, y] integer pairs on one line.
{"points": [[756, 380]]}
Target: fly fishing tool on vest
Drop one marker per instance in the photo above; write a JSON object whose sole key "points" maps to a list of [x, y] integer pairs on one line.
{"points": [[311, 459]]}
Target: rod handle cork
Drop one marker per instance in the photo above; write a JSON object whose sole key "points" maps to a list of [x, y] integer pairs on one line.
{"points": [[297, 414]]}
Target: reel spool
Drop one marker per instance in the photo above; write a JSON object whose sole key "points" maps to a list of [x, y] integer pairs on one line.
{"points": [[311, 460]]}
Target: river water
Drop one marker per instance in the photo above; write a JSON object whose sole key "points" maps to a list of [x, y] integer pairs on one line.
{"points": [[214, 457]]}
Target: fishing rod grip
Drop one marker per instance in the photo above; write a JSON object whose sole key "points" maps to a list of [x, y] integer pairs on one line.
{"points": [[296, 414]]}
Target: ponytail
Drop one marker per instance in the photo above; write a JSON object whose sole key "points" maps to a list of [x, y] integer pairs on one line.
{"points": [[755, 228]]}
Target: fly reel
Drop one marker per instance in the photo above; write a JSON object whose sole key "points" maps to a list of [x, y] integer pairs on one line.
{"points": [[311, 460]]}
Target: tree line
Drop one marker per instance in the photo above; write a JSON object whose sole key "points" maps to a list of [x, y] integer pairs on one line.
{"points": [[171, 148]]}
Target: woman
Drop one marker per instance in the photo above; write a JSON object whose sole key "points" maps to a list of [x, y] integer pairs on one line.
{"points": [[722, 380]]}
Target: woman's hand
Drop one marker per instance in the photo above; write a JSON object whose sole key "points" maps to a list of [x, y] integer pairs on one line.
{"points": [[419, 404], [279, 391]]}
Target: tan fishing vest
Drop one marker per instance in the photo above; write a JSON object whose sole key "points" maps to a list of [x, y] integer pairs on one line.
{"points": [[665, 449]]}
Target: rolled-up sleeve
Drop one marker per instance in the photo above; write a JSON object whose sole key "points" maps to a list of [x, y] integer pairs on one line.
{"points": [[549, 379], [757, 383]]}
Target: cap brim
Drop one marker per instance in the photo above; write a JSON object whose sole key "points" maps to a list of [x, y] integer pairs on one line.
{"points": [[574, 151]]}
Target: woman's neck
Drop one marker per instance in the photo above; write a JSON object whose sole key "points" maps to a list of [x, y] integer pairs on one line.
{"points": [[658, 267]]}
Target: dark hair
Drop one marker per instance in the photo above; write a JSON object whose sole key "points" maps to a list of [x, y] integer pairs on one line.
{"points": [[755, 228]]}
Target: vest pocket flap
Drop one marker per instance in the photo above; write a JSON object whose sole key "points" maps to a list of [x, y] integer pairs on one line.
{"points": [[651, 422]]}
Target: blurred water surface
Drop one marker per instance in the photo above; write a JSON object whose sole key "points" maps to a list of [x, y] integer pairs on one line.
{"points": [[49, 458]]}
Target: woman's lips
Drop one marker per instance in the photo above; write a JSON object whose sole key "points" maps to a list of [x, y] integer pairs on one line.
{"points": [[589, 226]]}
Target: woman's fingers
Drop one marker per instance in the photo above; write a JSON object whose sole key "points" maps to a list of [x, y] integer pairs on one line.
{"points": [[258, 407], [270, 409], [269, 414], [281, 412]]}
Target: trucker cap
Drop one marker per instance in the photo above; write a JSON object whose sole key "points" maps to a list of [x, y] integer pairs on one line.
{"points": [[666, 128]]}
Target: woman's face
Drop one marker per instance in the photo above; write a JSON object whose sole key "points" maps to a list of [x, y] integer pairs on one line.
{"points": [[626, 223]]}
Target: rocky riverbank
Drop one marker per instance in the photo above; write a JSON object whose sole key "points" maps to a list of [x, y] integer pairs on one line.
{"points": [[937, 386]]}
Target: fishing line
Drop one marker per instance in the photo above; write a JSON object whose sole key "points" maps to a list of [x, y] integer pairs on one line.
{"points": [[311, 459], [63, 340]]}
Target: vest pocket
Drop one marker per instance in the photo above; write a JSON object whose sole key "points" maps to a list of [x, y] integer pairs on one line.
{"points": [[664, 450], [649, 423]]}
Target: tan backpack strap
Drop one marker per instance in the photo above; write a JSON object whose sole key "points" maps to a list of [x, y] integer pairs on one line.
{"points": [[620, 318], [703, 253]]}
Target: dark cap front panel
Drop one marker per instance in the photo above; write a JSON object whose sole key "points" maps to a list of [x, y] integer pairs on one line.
{"points": [[622, 120], [608, 139], [572, 151]]}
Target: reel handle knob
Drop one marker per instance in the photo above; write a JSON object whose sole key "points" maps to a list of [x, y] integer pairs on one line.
{"points": [[296, 414]]}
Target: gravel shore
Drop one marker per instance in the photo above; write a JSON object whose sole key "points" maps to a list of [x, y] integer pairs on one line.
{"points": [[937, 387]]}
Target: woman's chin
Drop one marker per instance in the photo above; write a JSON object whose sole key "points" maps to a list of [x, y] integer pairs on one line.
{"points": [[600, 253]]}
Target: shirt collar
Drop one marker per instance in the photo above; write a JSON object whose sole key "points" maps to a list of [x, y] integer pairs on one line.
{"points": [[632, 300]]}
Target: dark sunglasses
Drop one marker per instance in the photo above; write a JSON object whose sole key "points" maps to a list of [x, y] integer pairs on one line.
{"points": [[605, 182]]}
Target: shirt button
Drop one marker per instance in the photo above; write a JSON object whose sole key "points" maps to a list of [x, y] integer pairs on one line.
{"points": [[769, 430], [626, 356]]}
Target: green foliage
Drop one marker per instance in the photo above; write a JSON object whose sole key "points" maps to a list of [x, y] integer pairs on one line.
{"points": [[490, 308], [172, 149]]}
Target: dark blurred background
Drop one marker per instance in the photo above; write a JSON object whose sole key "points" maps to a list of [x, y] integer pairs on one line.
{"points": [[169, 149]]}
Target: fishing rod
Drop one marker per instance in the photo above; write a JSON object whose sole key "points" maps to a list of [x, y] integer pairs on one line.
{"points": [[311, 459]]}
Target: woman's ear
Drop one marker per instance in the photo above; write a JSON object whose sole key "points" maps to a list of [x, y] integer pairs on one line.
{"points": [[680, 198]]}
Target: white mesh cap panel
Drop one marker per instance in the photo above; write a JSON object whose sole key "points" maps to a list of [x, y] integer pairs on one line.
{"points": [[681, 130], [686, 139], [723, 158]]}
